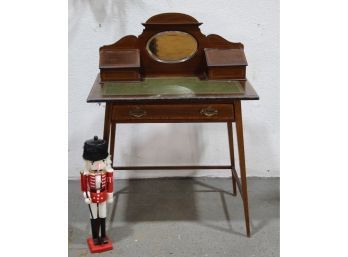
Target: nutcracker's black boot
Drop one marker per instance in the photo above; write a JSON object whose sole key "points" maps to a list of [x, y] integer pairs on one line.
{"points": [[95, 231], [103, 238]]}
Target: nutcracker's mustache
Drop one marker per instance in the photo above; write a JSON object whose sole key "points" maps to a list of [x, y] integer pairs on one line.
{"points": [[98, 168]]}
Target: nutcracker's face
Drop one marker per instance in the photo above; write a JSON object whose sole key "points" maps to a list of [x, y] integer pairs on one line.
{"points": [[96, 165]]}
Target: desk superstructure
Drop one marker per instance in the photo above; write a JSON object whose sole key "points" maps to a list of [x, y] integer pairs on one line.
{"points": [[174, 73]]}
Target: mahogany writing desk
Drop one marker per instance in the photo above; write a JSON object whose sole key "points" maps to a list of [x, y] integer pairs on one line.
{"points": [[142, 83]]}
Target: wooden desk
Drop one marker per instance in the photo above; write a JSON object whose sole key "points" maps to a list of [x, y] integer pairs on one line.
{"points": [[172, 72], [178, 99]]}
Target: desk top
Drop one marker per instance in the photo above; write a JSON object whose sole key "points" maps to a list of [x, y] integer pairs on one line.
{"points": [[171, 90]]}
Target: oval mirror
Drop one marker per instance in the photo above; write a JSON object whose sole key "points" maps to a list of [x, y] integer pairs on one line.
{"points": [[171, 46]]}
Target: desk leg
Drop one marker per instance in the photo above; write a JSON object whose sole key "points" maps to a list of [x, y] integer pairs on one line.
{"points": [[112, 141], [239, 128], [231, 147], [106, 132]]}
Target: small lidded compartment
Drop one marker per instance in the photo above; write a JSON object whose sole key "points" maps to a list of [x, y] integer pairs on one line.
{"points": [[119, 65], [225, 63]]}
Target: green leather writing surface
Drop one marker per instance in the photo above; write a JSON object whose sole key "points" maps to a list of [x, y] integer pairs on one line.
{"points": [[172, 86]]}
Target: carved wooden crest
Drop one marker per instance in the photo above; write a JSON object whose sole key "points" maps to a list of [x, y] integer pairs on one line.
{"points": [[172, 44]]}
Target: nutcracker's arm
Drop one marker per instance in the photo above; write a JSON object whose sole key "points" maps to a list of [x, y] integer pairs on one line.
{"points": [[109, 180], [83, 180]]}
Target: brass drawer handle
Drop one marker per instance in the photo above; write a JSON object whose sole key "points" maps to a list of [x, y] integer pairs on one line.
{"points": [[137, 112], [209, 111]]}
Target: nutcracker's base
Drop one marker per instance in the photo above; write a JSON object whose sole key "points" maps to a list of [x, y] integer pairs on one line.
{"points": [[99, 248]]}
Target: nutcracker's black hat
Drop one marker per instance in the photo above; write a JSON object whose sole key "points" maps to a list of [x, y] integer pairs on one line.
{"points": [[95, 149]]}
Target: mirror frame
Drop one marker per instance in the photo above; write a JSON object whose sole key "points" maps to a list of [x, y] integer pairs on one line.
{"points": [[154, 57]]}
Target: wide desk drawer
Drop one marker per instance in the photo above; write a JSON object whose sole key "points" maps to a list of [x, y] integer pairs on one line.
{"points": [[173, 113]]}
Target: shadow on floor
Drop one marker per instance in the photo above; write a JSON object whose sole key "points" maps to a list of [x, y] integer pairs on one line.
{"points": [[206, 202]]}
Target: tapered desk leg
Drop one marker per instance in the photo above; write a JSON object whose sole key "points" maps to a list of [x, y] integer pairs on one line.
{"points": [[106, 132], [231, 147], [239, 128], [112, 141]]}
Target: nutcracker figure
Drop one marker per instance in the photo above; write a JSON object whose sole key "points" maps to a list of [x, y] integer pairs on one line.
{"points": [[97, 187]]}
